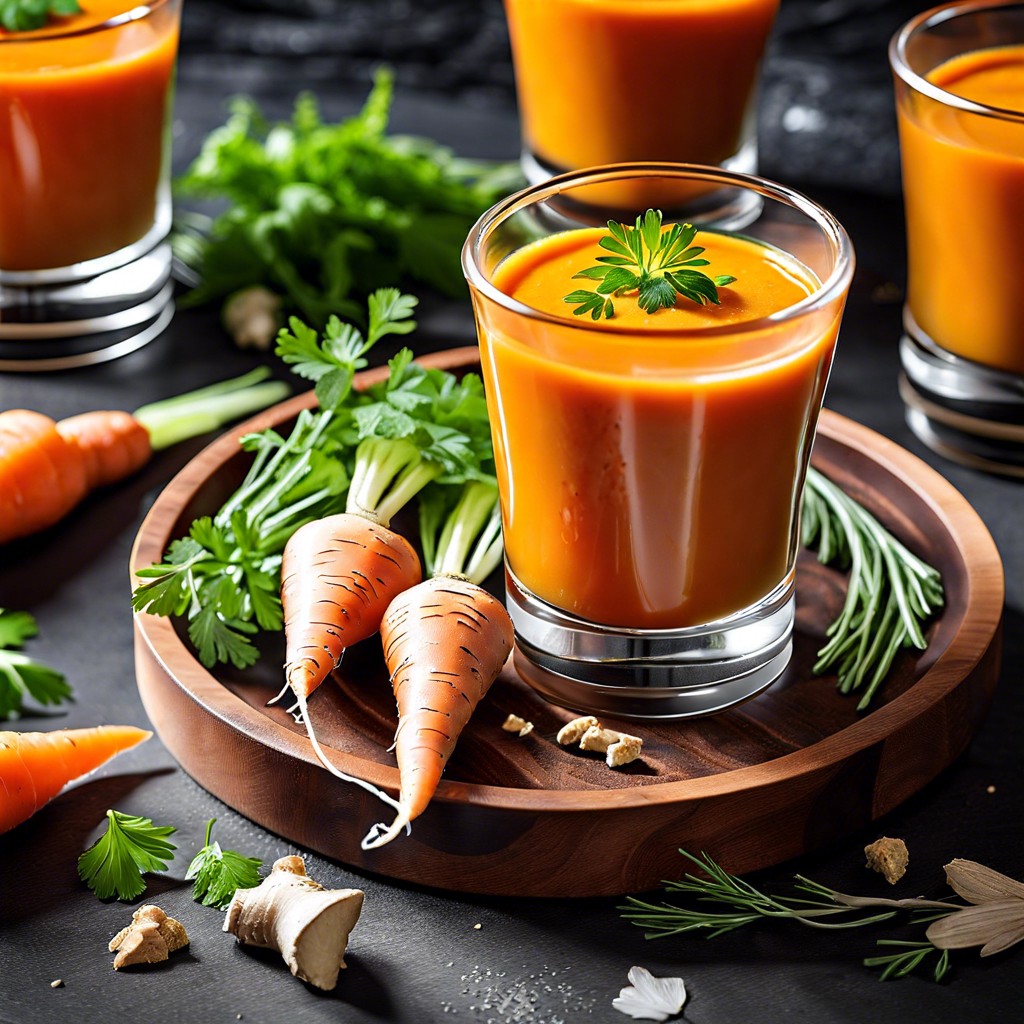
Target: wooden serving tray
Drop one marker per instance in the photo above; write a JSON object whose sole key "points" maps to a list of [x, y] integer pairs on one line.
{"points": [[766, 781]]}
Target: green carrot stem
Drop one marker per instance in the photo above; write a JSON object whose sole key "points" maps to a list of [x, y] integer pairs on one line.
{"points": [[470, 541], [388, 474], [198, 412]]}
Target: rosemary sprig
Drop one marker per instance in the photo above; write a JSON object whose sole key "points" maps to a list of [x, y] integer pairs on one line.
{"points": [[658, 265], [912, 955], [818, 902], [891, 592]]}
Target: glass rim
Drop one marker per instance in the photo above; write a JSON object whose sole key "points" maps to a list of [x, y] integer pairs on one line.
{"points": [[135, 13], [938, 16], [836, 283]]}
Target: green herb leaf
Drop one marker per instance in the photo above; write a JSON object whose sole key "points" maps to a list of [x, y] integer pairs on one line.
{"points": [[27, 15], [131, 846], [20, 675], [219, 873], [656, 263], [891, 592]]}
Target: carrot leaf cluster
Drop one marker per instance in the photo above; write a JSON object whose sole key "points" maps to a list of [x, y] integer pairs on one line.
{"points": [[324, 213], [657, 264], [20, 675], [368, 451]]}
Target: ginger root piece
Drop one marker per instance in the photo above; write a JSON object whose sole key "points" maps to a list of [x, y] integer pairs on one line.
{"points": [[619, 748], [572, 731], [517, 725], [889, 857], [306, 923], [150, 938], [252, 316]]}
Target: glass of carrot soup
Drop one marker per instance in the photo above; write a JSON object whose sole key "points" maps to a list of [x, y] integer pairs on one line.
{"points": [[959, 78], [606, 81], [653, 394], [84, 198]]}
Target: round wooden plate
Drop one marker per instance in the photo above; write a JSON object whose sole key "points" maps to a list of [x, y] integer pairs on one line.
{"points": [[763, 782]]}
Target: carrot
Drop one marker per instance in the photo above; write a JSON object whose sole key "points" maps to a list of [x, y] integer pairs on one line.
{"points": [[338, 576], [48, 467], [445, 642], [35, 766]]}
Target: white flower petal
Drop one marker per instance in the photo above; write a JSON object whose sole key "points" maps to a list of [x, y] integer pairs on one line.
{"points": [[651, 998]]}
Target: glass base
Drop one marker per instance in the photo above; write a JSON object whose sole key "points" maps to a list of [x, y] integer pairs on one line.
{"points": [[727, 209], [964, 411], [57, 325], [640, 673]]}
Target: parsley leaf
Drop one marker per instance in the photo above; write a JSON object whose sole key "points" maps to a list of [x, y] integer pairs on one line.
{"points": [[115, 863], [26, 15], [20, 675], [658, 264], [218, 873]]}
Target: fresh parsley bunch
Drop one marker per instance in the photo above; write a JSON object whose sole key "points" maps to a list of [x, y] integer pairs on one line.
{"points": [[20, 675], [325, 213]]}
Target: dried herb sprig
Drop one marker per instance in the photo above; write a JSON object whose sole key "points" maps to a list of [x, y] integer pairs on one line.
{"points": [[891, 592], [993, 918]]}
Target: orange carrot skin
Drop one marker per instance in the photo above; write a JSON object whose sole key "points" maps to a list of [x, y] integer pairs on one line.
{"points": [[42, 476], [35, 766], [47, 468], [445, 642], [113, 444], [338, 575]]}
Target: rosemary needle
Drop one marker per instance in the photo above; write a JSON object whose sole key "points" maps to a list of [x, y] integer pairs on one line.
{"points": [[891, 592]]}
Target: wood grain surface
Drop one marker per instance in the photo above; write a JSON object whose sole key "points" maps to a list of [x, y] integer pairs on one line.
{"points": [[778, 776]]}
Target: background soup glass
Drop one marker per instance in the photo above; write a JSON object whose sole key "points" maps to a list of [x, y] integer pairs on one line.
{"points": [[650, 479], [602, 81], [959, 82], [84, 195]]}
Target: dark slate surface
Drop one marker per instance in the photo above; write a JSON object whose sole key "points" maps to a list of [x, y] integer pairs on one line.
{"points": [[416, 956]]}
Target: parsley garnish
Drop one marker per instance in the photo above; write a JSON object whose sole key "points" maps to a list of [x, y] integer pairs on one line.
{"points": [[114, 864], [20, 675], [656, 264], [26, 15], [218, 873]]}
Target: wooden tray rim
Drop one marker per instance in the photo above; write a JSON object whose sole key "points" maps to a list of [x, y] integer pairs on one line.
{"points": [[981, 619]]}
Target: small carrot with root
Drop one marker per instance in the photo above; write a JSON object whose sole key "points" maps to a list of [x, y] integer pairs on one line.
{"points": [[36, 766], [445, 642], [48, 467], [225, 576], [339, 575]]}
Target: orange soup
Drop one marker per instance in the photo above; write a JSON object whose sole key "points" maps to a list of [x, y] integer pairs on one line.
{"points": [[650, 464], [604, 81], [82, 133], [963, 179]]}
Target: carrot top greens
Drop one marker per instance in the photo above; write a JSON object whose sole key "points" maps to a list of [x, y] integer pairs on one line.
{"points": [[367, 451]]}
